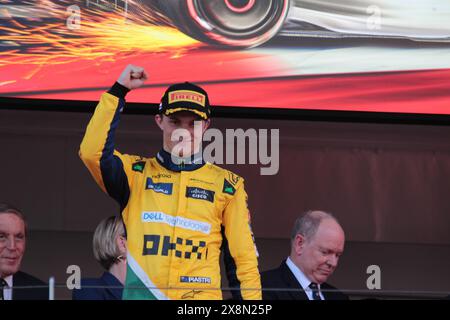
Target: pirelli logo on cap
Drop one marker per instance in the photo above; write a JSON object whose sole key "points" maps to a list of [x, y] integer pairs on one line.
{"points": [[187, 96]]}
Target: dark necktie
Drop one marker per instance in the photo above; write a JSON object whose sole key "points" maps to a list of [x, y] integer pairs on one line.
{"points": [[3, 284], [315, 291]]}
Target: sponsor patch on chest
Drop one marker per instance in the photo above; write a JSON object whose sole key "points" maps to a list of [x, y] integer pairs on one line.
{"points": [[160, 187], [176, 221], [199, 193]]}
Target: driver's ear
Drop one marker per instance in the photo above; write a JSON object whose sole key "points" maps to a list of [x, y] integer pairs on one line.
{"points": [[159, 120]]}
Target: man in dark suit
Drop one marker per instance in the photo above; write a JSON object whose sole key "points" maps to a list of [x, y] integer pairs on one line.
{"points": [[317, 241], [12, 248]]}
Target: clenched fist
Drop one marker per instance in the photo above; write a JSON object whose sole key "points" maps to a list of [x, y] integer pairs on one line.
{"points": [[132, 77]]}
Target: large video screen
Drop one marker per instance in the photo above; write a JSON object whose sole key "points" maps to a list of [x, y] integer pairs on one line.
{"points": [[358, 55]]}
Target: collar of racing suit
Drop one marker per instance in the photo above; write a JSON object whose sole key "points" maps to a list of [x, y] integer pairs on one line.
{"points": [[177, 164]]}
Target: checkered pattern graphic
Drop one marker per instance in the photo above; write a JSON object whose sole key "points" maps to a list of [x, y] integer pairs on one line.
{"points": [[192, 250]]}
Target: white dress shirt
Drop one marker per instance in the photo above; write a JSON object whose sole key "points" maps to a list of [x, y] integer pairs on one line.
{"points": [[7, 291], [302, 279]]}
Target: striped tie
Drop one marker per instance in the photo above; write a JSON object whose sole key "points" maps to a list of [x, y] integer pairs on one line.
{"points": [[315, 291], [3, 284]]}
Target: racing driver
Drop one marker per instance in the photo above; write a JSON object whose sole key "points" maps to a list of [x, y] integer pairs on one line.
{"points": [[179, 211]]}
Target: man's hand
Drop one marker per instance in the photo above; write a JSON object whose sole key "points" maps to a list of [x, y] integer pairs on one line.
{"points": [[132, 77]]}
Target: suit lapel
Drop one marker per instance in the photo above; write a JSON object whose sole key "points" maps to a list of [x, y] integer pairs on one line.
{"points": [[292, 283], [330, 292], [18, 281]]}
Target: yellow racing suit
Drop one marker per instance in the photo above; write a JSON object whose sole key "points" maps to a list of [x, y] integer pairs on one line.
{"points": [[178, 217]]}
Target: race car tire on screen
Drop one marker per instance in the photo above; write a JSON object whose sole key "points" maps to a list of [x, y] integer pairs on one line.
{"points": [[230, 23]]}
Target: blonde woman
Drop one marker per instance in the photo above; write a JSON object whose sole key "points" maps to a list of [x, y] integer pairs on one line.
{"points": [[109, 246]]}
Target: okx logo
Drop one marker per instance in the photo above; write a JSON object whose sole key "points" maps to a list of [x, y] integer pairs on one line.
{"points": [[182, 248]]}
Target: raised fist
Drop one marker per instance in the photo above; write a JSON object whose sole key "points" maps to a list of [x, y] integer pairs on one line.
{"points": [[132, 77]]}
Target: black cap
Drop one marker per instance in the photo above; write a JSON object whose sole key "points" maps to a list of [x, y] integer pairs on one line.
{"points": [[185, 96]]}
